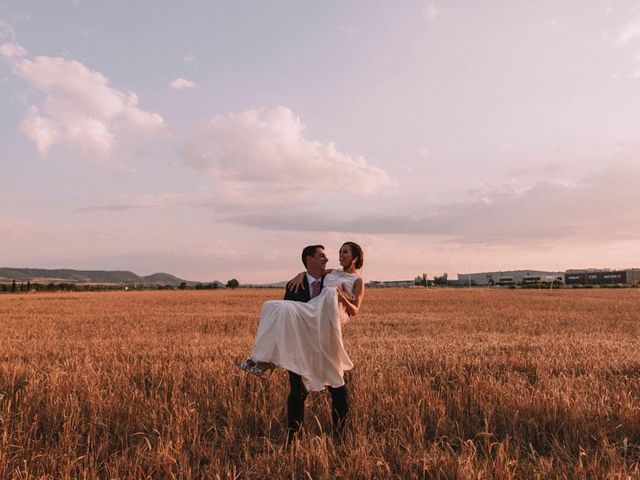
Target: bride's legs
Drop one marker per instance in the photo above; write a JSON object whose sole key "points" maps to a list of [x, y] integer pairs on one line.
{"points": [[267, 366], [274, 320], [257, 368]]}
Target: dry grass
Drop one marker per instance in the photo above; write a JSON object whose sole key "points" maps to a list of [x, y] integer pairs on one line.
{"points": [[447, 384]]}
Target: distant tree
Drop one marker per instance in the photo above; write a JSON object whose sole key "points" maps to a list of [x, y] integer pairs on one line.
{"points": [[421, 280], [182, 286], [29, 286], [13, 287], [442, 280], [233, 283]]}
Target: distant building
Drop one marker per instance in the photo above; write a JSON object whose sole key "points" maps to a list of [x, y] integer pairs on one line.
{"points": [[604, 276], [513, 277], [390, 283]]}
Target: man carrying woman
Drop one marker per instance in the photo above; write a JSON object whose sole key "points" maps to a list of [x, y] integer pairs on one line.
{"points": [[303, 332]]}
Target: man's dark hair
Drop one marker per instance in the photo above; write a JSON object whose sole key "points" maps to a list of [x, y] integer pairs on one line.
{"points": [[309, 251]]}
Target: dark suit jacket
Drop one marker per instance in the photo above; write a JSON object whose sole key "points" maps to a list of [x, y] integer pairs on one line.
{"points": [[302, 295]]}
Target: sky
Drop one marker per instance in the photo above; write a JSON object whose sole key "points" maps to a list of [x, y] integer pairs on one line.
{"points": [[215, 139]]}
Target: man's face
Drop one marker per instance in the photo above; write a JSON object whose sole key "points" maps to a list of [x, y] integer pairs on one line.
{"points": [[318, 262]]}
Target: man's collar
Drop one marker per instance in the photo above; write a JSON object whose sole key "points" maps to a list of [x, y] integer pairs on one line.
{"points": [[311, 278]]}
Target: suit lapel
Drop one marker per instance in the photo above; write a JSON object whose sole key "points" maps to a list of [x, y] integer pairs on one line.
{"points": [[307, 289]]}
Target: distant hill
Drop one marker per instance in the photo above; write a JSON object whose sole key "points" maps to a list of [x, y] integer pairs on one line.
{"points": [[267, 285], [87, 276], [164, 279]]}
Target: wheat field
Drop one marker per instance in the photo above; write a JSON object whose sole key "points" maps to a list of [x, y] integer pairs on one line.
{"points": [[469, 383]]}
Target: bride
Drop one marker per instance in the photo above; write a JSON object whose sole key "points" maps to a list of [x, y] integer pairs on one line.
{"points": [[306, 338]]}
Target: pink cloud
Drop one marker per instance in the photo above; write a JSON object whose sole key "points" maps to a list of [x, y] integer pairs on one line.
{"points": [[264, 154], [182, 83], [79, 106]]}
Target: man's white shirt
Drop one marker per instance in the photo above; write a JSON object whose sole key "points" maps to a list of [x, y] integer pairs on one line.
{"points": [[311, 279]]}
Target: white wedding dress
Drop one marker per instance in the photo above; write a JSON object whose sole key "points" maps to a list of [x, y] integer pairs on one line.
{"points": [[306, 338]]}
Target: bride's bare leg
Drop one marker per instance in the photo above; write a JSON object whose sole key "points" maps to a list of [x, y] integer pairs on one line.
{"points": [[266, 366], [257, 368]]}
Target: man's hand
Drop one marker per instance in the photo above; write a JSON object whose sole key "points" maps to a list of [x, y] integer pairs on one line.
{"points": [[297, 282], [346, 299], [344, 292], [343, 295]]}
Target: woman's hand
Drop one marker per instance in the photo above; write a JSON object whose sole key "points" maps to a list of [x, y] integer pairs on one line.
{"points": [[297, 282], [345, 299], [345, 292], [351, 302], [341, 297]]}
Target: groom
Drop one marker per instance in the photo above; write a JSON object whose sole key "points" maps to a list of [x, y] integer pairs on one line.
{"points": [[315, 261]]}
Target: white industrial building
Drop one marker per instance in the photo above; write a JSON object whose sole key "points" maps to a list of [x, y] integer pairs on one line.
{"points": [[513, 277], [603, 276], [390, 283]]}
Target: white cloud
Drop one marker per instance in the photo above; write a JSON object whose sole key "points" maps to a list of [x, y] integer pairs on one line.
{"points": [[8, 46], [263, 154], [600, 208], [348, 30], [79, 107], [506, 148], [628, 33], [139, 202], [431, 11], [41, 130], [426, 154], [182, 83], [7, 33], [636, 72], [11, 50], [13, 225]]}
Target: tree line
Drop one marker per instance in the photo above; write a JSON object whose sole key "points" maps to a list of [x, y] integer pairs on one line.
{"points": [[423, 281], [24, 287]]}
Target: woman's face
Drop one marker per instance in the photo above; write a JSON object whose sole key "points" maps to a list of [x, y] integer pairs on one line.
{"points": [[346, 256]]}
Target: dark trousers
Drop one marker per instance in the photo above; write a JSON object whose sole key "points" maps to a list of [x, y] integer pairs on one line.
{"points": [[295, 405]]}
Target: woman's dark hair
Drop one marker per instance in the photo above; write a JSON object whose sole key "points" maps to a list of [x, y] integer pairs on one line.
{"points": [[357, 252]]}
